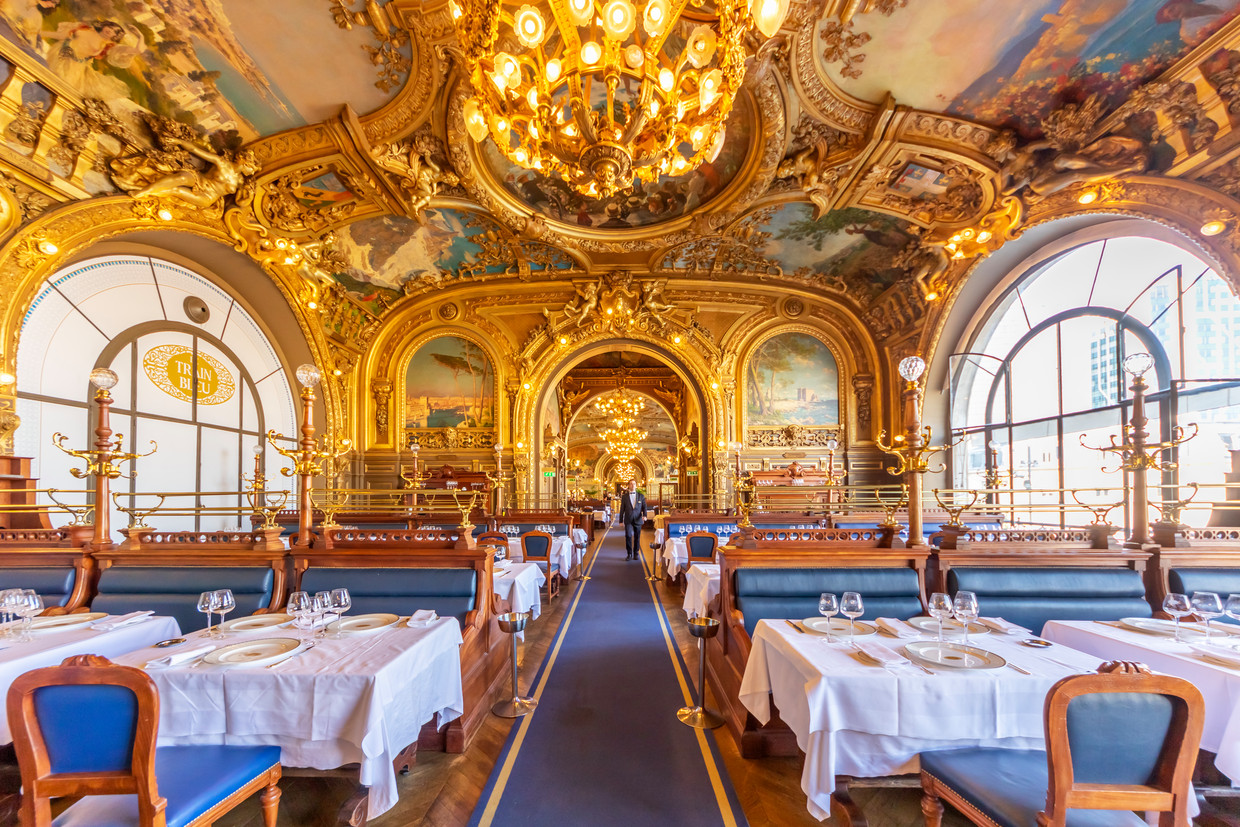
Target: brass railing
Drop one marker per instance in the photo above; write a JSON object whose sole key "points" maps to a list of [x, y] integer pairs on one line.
{"points": [[82, 514]]}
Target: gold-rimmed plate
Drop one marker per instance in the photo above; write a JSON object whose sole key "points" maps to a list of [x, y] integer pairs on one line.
{"points": [[254, 623], [363, 624], [1223, 656], [1162, 628], [837, 626], [262, 652], [950, 627], [952, 655], [61, 623]]}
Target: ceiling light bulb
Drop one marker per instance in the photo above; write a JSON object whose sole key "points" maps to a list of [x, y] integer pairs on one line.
{"points": [[553, 70], [619, 19], [666, 79], [581, 11], [701, 46], [532, 97], [1087, 197], [475, 121], [529, 26], [654, 20], [634, 56], [1213, 227], [455, 9], [591, 52], [519, 155], [770, 16], [570, 130]]}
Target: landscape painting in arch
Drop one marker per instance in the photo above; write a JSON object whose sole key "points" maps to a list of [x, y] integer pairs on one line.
{"points": [[449, 383], [792, 379]]}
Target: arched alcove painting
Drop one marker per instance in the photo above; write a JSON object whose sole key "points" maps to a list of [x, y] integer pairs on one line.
{"points": [[792, 379], [449, 383]]}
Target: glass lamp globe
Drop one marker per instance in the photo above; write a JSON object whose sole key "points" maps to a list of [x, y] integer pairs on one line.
{"points": [[258, 449], [104, 379], [308, 375], [912, 367], [832, 443], [1137, 364]]}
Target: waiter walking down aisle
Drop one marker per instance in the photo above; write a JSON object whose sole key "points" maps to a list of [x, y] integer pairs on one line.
{"points": [[632, 516]]}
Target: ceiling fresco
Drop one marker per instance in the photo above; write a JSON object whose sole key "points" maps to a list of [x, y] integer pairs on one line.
{"points": [[1010, 64], [226, 66], [641, 206]]}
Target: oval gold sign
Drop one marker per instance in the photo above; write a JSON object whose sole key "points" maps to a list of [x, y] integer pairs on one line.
{"points": [[171, 368]]}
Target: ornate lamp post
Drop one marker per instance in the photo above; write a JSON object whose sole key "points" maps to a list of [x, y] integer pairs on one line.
{"points": [[912, 449], [104, 460], [309, 455], [833, 478], [1136, 454]]}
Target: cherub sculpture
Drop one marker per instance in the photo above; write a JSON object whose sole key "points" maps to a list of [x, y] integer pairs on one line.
{"points": [[586, 302]]}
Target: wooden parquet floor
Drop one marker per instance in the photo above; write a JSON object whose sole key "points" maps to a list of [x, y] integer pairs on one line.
{"points": [[441, 790]]}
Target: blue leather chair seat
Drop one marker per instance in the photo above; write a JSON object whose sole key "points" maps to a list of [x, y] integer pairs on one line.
{"points": [[53, 583], [450, 592], [193, 779], [1221, 581], [1009, 786], [779, 593], [174, 590], [1032, 596]]}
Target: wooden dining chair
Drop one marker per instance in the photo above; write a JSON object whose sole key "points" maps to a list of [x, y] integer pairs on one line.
{"points": [[1120, 741], [536, 548], [88, 728], [702, 546]]}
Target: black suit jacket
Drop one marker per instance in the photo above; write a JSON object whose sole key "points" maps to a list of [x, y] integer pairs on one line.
{"points": [[629, 514]]}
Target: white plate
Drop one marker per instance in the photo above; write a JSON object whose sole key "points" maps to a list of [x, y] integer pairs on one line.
{"points": [[1163, 628], [253, 623], [364, 623], [952, 655], [950, 627], [263, 652], [59, 623], [839, 626], [1226, 656]]}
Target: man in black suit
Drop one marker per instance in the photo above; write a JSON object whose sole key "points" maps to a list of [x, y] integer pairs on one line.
{"points": [[632, 515]]}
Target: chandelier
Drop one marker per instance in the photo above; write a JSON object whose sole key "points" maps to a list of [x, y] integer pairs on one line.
{"points": [[600, 93], [621, 408]]}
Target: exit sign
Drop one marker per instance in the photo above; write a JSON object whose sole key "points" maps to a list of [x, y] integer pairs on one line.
{"points": [[692, 473], [548, 473]]}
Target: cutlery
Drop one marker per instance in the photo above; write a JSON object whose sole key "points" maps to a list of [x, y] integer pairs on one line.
{"points": [[922, 668], [793, 625], [1011, 665]]}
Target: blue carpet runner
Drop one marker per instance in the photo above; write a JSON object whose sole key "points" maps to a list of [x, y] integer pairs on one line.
{"points": [[604, 746]]}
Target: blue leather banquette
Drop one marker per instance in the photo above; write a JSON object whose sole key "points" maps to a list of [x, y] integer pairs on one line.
{"points": [[1030, 596], [53, 583], [174, 590], [1221, 581], [791, 593], [450, 592]]}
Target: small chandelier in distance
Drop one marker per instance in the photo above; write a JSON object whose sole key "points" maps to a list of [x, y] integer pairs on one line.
{"points": [[593, 92]]}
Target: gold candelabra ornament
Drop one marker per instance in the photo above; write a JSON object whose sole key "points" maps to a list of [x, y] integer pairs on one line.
{"points": [[103, 462], [261, 504], [308, 456], [833, 478], [1136, 454], [600, 94]]}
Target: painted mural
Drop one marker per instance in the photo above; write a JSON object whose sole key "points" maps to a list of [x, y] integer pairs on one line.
{"points": [[792, 379], [1010, 64], [193, 61], [387, 255], [449, 382], [670, 197]]}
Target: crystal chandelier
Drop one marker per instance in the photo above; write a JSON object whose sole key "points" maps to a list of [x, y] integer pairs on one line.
{"points": [[600, 93]]}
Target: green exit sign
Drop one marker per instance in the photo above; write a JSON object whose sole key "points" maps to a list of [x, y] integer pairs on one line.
{"points": [[548, 473], [692, 473]]}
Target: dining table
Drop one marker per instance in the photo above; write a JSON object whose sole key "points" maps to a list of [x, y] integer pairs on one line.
{"points": [[675, 556], [360, 698], [50, 646], [855, 719], [701, 587], [1214, 669]]}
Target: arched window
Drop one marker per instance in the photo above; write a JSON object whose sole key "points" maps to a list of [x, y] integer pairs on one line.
{"points": [[1043, 373], [196, 374]]}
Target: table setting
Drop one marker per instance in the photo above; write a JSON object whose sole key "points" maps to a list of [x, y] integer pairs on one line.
{"points": [[865, 697]]}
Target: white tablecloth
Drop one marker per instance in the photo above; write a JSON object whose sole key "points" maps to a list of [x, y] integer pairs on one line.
{"points": [[516, 589], [867, 721], [701, 586], [50, 648], [361, 698], [1219, 685], [676, 556], [659, 534], [580, 537]]}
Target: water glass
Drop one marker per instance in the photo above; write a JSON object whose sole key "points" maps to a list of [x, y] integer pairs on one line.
{"points": [[1177, 605], [828, 607], [29, 605], [964, 607], [941, 609], [208, 602], [300, 604], [322, 605], [340, 603], [1207, 606], [852, 608], [1232, 607], [9, 599], [224, 603]]}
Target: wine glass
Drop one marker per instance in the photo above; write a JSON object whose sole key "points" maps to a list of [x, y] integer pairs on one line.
{"points": [[322, 605], [299, 606], [1232, 607], [9, 599], [941, 609], [964, 607], [225, 603], [852, 608], [1177, 605], [29, 605], [828, 607], [1207, 606], [208, 602], [340, 603]]}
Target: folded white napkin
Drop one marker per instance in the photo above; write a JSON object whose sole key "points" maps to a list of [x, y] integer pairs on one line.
{"points": [[423, 617], [110, 623], [896, 627], [1003, 627], [880, 653], [178, 658]]}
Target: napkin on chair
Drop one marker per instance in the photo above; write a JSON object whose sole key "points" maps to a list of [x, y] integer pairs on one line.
{"points": [[178, 658], [1003, 627], [896, 628], [881, 654], [423, 617], [110, 623]]}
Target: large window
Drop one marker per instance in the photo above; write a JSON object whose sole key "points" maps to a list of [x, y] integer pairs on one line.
{"points": [[1043, 374], [196, 374]]}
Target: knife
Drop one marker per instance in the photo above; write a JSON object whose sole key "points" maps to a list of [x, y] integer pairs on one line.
{"points": [[793, 625]]}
